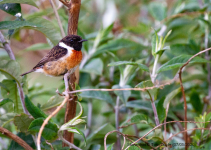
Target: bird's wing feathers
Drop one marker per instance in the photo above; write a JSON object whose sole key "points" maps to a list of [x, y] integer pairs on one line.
{"points": [[56, 53]]}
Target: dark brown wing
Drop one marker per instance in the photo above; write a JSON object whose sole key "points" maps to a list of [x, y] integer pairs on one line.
{"points": [[55, 53]]}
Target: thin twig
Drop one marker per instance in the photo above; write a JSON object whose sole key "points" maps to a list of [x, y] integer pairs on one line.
{"points": [[65, 3], [124, 135], [183, 92], [15, 138], [126, 89], [56, 111], [158, 127], [118, 143], [182, 132], [7, 47], [57, 17]]}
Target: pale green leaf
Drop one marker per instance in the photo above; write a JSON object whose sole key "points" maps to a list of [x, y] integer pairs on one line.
{"points": [[95, 66], [141, 66], [18, 24], [4, 101], [22, 122], [178, 61], [11, 69], [38, 46], [13, 94], [29, 2], [123, 95], [52, 102], [170, 96], [100, 95], [49, 132]]}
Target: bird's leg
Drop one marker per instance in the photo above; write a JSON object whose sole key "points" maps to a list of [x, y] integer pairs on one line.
{"points": [[66, 92]]}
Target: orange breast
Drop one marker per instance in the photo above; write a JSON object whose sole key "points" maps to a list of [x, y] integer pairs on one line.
{"points": [[60, 67], [73, 60]]}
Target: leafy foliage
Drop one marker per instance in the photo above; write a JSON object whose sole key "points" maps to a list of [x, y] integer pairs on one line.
{"points": [[131, 44]]}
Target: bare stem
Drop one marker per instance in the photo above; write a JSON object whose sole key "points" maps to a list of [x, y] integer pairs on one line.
{"points": [[118, 143], [7, 47], [155, 113], [57, 17], [89, 118], [22, 97], [15, 138]]}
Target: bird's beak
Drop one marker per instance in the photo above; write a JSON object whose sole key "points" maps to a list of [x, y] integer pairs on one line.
{"points": [[83, 40]]}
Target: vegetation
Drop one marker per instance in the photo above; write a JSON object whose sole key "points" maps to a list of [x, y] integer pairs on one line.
{"points": [[145, 77]]}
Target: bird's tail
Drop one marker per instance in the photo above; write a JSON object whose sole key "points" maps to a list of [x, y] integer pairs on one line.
{"points": [[27, 72]]}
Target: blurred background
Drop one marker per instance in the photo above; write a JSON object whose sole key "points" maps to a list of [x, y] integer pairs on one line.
{"points": [[119, 30]]}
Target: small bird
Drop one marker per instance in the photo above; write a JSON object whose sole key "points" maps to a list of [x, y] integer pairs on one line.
{"points": [[65, 56]]}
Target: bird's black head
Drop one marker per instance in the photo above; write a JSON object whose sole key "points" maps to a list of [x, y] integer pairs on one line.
{"points": [[73, 41]]}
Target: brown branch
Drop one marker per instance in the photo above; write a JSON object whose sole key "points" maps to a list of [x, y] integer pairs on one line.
{"points": [[55, 112], [65, 2], [74, 10], [15, 138], [183, 92]]}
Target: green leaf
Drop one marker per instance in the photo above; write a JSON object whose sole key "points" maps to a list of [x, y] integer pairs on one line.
{"points": [[141, 66], [33, 110], [5, 118], [117, 44], [95, 66], [178, 61], [100, 95], [140, 118], [110, 147], [207, 118], [11, 69], [123, 95], [170, 96], [4, 101], [29, 2], [133, 148], [49, 132], [101, 35], [71, 129], [13, 95], [27, 138], [22, 122], [147, 84], [157, 10], [154, 43], [161, 110], [4, 87], [37, 47], [98, 134], [47, 28], [12, 8], [18, 24], [52, 102], [196, 101], [140, 104]]}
